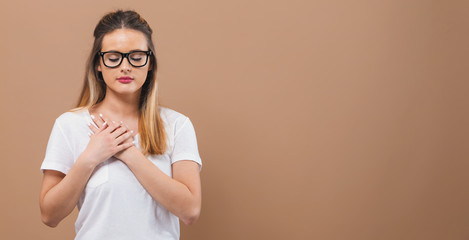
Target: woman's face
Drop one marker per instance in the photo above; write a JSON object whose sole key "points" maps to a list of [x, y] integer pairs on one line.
{"points": [[124, 41]]}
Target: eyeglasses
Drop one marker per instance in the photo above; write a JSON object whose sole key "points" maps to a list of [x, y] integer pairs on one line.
{"points": [[113, 59]]}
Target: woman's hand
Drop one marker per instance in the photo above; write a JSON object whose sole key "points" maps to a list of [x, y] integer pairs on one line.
{"points": [[107, 140], [123, 136]]}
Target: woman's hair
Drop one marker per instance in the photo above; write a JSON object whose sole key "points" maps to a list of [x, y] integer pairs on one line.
{"points": [[150, 125]]}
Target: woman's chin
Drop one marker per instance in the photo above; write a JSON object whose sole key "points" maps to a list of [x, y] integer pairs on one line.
{"points": [[126, 91]]}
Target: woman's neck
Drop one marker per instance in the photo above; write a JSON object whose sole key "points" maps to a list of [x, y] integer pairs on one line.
{"points": [[119, 106]]}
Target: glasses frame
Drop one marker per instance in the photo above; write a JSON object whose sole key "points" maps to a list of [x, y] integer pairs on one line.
{"points": [[125, 55]]}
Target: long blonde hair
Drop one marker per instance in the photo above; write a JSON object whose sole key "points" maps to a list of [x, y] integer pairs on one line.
{"points": [[150, 125]]}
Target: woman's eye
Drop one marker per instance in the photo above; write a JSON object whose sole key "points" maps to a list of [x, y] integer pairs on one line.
{"points": [[113, 59], [136, 59]]}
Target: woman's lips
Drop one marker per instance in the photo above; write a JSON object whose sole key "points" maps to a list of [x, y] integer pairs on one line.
{"points": [[125, 79]]}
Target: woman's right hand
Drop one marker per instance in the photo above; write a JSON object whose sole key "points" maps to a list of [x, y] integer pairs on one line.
{"points": [[107, 140]]}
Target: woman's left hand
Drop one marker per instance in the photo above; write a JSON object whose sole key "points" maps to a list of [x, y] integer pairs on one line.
{"points": [[99, 120]]}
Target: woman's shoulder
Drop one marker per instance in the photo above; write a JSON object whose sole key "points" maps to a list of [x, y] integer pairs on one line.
{"points": [[170, 115], [72, 116], [173, 119]]}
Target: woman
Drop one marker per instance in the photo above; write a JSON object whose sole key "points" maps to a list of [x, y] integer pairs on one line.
{"points": [[131, 166]]}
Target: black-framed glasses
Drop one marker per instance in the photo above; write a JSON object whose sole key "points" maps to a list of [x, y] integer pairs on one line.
{"points": [[113, 59]]}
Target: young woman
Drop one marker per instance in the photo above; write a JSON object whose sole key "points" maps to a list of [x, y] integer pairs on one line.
{"points": [[131, 166]]}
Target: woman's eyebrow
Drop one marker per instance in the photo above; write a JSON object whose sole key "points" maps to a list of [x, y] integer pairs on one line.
{"points": [[137, 49]]}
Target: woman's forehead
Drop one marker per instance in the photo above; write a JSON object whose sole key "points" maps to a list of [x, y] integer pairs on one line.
{"points": [[124, 40]]}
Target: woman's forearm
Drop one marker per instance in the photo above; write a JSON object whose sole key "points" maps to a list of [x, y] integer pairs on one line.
{"points": [[60, 200], [173, 195]]}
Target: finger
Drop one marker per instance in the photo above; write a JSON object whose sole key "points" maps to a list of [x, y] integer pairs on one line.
{"points": [[92, 128], [96, 121], [99, 124], [127, 127], [103, 126], [116, 125], [119, 131], [124, 137], [113, 126], [124, 146], [102, 119]]}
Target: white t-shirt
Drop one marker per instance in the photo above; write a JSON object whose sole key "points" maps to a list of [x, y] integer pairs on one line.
{"points": [[114, 205]]}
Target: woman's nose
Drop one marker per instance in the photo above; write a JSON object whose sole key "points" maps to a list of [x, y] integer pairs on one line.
{"points": [[125, 66]]}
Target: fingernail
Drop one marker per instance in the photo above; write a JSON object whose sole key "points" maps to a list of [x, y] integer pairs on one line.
{"points": [[89, 134], [104, 123], [122, 122], [133, 142], [101, 115], [131, 131], [89, 124], [113, 122], [92, 117]]}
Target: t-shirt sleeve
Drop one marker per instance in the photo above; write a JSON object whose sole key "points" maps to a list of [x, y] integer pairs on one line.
{"points": [[59, 155], [185, 144]]}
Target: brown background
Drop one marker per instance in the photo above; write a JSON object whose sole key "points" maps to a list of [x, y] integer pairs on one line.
{"points": [[315, 119]]}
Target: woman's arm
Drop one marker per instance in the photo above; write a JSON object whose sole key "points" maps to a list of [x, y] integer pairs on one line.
{"points": [[60, 193], [181, 194]]}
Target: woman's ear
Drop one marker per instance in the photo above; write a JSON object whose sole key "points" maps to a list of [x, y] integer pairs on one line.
{"points": [[98, 68], [150, 67]]}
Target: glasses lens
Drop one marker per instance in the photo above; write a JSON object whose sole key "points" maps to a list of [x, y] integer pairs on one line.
{"points": [[112, 59], [138, 59]]}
